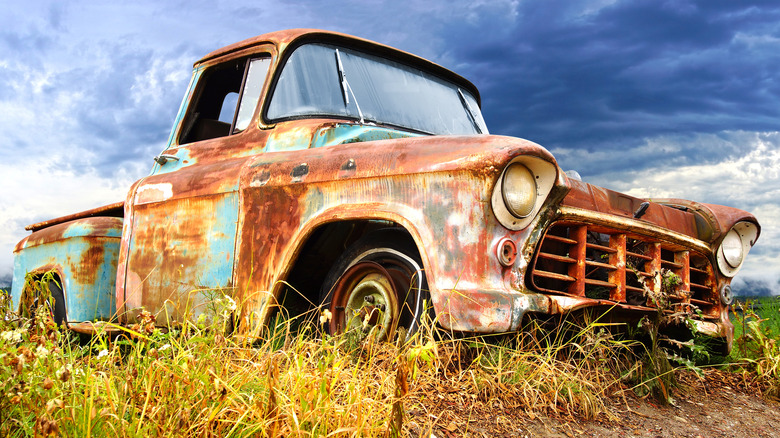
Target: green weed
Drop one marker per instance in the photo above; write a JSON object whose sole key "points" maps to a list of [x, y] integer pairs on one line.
{"points": [[755, 347]]}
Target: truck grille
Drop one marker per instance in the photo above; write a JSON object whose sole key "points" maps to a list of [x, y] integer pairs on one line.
{"points": [[584, 260]]}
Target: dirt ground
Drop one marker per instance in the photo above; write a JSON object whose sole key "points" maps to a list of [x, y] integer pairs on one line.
{"points": [[721, 404]]}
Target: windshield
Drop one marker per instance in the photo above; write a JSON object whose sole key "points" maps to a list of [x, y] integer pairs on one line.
{"points": [[322, 80]]}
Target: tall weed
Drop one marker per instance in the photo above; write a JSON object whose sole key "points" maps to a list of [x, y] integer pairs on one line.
{"points": [[756, 346]]}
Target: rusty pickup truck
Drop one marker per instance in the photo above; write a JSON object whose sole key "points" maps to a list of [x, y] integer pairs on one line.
{"points": [[314, 170]]}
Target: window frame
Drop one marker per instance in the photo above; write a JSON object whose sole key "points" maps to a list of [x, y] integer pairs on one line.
{"points": [[191, 115], [372, 49]]}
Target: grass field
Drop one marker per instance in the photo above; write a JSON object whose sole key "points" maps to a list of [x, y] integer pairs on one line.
{"points": [[195, 381], [766, 309]]}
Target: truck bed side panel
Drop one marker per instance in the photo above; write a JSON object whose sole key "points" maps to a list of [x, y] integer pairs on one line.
{"points": [[84, 254]]}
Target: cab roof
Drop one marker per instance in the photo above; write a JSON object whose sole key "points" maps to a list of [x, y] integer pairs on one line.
{"points": [[291, 38]]}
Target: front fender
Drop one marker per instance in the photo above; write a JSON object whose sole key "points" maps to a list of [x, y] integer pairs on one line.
{"points": [[713, 221]]}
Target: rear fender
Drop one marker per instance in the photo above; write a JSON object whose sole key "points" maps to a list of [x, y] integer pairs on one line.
{"points": [[83, 253]]}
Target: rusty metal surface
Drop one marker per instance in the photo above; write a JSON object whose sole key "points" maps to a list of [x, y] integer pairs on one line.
{"points": [[642, 227], [111, 210], [91, 328], [609, 203], [437, 188], [581, 260], [285, 38], [713, 220], [84, 254]]}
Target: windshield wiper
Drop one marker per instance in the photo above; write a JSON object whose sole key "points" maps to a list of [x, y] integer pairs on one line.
{"points": [[345, 88], [469, 111]]}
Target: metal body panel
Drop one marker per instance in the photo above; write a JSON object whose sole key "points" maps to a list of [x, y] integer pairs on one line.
{"points": [[183, 236], [609, 203], [84, 254], [437, 188], [111, 210]]}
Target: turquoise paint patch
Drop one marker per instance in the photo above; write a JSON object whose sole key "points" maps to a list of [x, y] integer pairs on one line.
{"points": [[214, 268], [184, 160], [180, 267], [342, 134], [83, 229], [89, 290]]}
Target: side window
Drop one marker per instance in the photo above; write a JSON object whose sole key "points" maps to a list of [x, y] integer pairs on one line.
{"points": [[255, 77], [228, 108], [225, 99]]}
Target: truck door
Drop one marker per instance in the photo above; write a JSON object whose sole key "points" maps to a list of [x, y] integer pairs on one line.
{"points": [[183, 221]]}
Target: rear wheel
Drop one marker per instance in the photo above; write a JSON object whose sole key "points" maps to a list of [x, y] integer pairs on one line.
{"points": [[44, 291], [377, 287], [58, 309]]}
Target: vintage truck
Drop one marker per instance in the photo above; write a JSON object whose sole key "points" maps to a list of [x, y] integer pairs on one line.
{"points": [[314, 170]]}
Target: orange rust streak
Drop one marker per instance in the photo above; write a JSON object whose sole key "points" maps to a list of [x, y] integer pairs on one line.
{"points": [[652, 266], [683, 258], [618, 260], [577, 252], [113, 210]]}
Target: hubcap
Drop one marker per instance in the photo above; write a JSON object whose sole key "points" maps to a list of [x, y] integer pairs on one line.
{"points": [[365, 301]]}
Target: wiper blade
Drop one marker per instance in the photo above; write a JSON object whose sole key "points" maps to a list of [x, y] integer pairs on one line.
{"points": [[342, 79], [345, 88], [469, 111]]}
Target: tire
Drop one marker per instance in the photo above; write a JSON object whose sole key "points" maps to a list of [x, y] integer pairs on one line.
{"points": [[58, 309], [31, 299], [376, 287]]}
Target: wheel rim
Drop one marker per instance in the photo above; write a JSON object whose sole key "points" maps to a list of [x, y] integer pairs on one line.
{"points": [[365, 301]]}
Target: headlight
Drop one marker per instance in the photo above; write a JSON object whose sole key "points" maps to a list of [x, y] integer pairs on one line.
{"points": [[519, 190], [732, 249]]}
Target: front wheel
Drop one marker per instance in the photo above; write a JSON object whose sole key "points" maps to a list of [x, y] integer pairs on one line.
{"points": [[377, 287]]}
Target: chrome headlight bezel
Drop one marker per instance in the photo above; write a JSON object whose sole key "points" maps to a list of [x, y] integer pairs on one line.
{"points": [[542, 173], [734, 247]]}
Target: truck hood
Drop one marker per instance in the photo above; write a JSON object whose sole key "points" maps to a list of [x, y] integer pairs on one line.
{"points": [[705, 222]]}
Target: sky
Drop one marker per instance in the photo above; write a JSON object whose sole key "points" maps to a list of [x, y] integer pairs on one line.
{"points": [[649, 97]]}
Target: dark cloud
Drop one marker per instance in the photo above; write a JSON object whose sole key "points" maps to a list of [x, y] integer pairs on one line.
{"points": [[123, 109], [608, 79], [755, 287]]}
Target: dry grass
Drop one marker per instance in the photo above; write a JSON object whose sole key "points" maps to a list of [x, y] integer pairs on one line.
{"points": [[196, 382]]}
